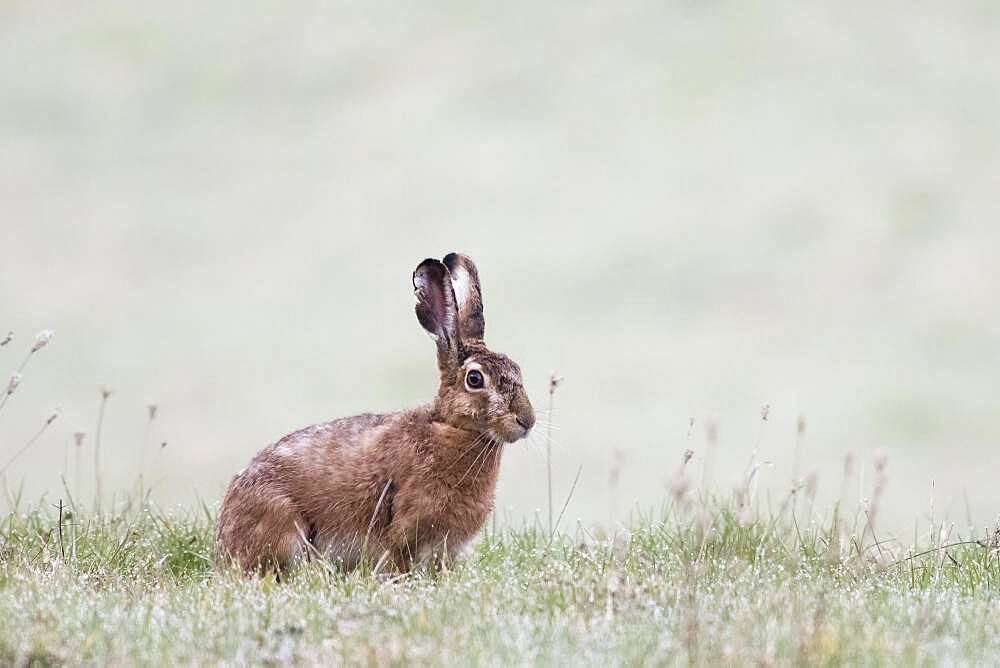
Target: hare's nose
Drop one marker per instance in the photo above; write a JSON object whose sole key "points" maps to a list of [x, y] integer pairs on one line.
{"points": [[523, 413], [526, 418]]}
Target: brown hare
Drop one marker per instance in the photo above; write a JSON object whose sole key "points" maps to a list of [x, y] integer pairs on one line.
{"points": [[396, 489]]}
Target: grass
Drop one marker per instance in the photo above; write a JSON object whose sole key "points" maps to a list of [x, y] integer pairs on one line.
{"points": [[702, 581], [696, 585]]}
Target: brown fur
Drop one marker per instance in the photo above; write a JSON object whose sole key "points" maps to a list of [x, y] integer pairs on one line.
{"points": [[392, 489]]}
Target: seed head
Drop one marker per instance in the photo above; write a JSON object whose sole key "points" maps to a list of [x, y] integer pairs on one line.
{"points": [[688, 454], [765, 411], [881, 459], [78, 438], [42, 340], [106, 392], [52, 417], [554, 382], [741, 490], [151, 408], [802, 425], [15, 380], [679, 486], [811, 484], [713, 432], [7, 339]]}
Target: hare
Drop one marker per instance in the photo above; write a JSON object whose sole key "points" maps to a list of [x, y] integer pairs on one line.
{"points": [[392, 490]]}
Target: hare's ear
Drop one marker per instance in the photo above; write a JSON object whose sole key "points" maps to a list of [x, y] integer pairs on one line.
{"points": [[436, 309], [468, 296]]}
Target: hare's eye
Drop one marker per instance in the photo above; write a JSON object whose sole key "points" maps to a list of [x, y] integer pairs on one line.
{"points": [[474, 379]]}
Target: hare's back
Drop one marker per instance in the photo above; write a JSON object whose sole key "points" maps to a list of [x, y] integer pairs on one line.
{"points": [[342, 433]]}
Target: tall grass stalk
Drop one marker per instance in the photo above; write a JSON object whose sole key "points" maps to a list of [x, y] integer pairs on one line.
{"points": [[105, 394], [554, 382], [41, 341], [78, 437], [31, 441], [151, 410]]}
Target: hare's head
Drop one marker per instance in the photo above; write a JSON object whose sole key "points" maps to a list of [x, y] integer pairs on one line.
{"points": [[480, 390]]}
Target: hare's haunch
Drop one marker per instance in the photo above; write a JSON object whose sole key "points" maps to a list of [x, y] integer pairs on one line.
{"points": [[390, 489]]}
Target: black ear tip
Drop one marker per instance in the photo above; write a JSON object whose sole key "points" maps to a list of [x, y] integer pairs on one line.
{"points": [[430, 269], [429, 264], [450, 260]]}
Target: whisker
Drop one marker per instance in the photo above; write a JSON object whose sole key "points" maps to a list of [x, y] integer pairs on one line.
{"points": [[547, 425], [495, 454], [537, 448], [553, 441], [479, 454], [479, 439]]}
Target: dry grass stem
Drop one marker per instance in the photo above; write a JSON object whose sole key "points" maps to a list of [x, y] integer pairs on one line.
{"points": [[554, 382], [105, 395], [31, 441]]}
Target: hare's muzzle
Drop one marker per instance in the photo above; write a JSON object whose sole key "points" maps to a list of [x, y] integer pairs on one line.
{"points": [[524, 414]]}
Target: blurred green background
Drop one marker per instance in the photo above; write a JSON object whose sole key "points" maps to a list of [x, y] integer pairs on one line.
{"points": [[688, 209]]}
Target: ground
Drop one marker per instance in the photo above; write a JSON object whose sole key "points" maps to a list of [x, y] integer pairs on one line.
{"points": [[696, 584]]}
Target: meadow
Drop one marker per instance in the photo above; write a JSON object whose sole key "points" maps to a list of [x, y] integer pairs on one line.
{"points": [[762, 232], [705, 578], [702, 582]]}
